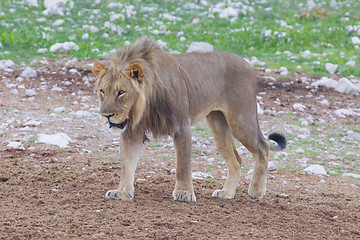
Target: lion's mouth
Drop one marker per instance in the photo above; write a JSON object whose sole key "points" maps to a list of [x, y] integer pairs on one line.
{"points": [[118, 125]]}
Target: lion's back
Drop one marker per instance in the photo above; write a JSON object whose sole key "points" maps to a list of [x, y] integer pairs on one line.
{"points": [[216, 65]]}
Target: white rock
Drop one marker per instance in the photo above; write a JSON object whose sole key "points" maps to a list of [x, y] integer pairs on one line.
{"points": [[322, 181], [59, 110], [64, 47], [310, 4], [210, 160], [299, 107], [55, 7], [200, 47], [316, 169], [57, 89], [73, 71], [33, 123], [345, 86], [113, 17], [200, 175], [271, 166], [60, 139], [354, 175], [259, 110], [353, 135], [16, 145], [284, 71], [93, 29], [325, 102], [304, 122], [114, 5], [161, 44], [85, 36], [58, 22], [345, 112], [306, 54], [32, 3], [300, 150], [30, 92], [14, 92], [254, 62], [173, 171], [325, 81], [29, 72], [331, 68], [42, 50], [355, 40], [170, 17], [11, 85], [351, 63], [228, 12], [5, 64], [83, 114]]}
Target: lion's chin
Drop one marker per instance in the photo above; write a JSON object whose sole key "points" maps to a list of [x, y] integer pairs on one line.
{"points": [[117, 125]]}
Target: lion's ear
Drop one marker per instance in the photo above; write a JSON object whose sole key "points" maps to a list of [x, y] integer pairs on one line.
{"points": [[135, 71], [98, 69]]}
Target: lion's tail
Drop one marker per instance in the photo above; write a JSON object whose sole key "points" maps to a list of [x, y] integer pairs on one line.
{"points": [[279, 139]]}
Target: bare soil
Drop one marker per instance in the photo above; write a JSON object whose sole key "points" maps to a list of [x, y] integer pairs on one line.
{"points": [[47, 192]]}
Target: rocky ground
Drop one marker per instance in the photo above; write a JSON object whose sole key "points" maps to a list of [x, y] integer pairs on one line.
{"points": [[53, 186]]}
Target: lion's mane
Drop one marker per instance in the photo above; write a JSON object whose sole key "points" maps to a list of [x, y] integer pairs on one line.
{"points": [[157, 116]]}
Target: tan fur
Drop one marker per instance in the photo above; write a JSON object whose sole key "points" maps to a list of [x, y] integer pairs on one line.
{"points": [[164, 93]]}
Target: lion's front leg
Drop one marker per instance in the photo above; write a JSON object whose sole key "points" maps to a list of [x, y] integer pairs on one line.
{"points": [[131, 149], [184, 190]]}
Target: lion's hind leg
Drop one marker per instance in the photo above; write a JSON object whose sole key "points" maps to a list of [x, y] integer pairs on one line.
{"points": [[248, 132], [225, 143]]}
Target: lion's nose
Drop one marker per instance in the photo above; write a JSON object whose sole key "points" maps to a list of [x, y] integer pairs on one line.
{"points": [[108, 116]]}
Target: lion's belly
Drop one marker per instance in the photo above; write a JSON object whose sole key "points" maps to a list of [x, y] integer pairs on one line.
{"points": [[198, 113]]}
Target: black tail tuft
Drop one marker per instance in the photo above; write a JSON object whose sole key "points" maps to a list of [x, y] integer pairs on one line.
{"points": [[279, 139]]}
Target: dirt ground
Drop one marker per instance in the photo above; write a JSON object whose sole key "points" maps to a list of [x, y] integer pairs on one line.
{"points": [[48, 192]]}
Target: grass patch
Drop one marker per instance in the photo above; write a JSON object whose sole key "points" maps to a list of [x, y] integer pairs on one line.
{"points": [[289, 167], [277, 36], [154, 146], [202, 131], [113, 159]]}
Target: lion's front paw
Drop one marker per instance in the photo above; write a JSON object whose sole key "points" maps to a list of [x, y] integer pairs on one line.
{"points": [[256, 193], [118, 195], [184, 196], [223, 194]]}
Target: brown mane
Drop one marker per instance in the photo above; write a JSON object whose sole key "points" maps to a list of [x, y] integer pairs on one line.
{"points": [[158, 117]]}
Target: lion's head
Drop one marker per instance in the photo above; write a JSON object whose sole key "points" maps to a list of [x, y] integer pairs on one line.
{"points": [[121, 93], [131, 92]]}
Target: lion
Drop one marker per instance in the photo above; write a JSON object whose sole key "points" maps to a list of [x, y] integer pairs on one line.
{"points": [[147, 90]]}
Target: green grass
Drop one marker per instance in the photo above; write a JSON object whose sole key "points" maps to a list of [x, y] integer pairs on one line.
{"points": [[201, 131], [113, 159], [275, 35], [154, 146], [289, 167], [32, 139]]}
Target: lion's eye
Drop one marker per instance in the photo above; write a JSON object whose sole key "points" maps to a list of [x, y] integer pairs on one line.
{"points": [[121, 92]]}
